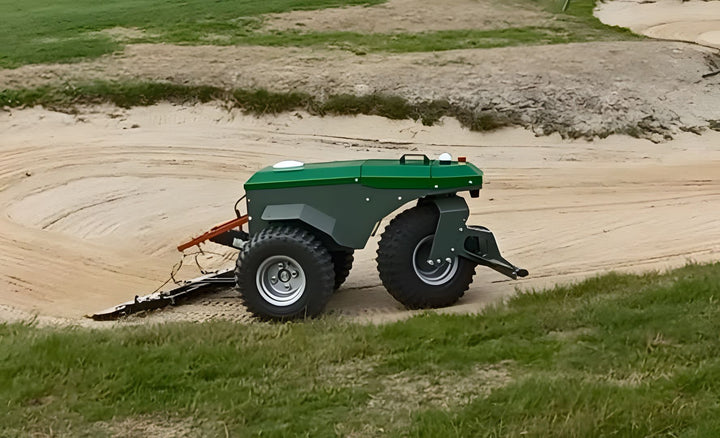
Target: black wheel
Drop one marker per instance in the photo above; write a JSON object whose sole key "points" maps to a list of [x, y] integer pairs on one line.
{"points": [[342, 262], [403, 262], [284, 273]]}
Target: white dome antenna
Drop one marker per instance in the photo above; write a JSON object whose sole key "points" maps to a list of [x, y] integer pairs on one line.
{"points": [[445, 158], [289, 164]]}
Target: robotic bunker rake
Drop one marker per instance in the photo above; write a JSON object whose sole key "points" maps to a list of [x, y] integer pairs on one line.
{"points": [[305, 221]]}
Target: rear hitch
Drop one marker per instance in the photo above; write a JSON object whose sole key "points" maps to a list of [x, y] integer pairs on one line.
{"points": [[480, 247], [453, 237]]}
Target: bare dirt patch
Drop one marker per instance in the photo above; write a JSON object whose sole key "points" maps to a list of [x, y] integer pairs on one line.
{"points": [[395, 397], [122, 34], [408, 392], [142, 427], [412, 16]]}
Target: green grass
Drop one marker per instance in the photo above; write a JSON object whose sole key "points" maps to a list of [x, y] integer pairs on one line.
{"points": [[37, 31], [122, 94], [618, 355]]}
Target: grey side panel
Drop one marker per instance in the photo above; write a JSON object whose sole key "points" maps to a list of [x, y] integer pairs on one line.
{"points": [[302, 212]]}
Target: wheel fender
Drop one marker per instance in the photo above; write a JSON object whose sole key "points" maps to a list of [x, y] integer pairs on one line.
{"points": [[449, 238], [302, 212]]}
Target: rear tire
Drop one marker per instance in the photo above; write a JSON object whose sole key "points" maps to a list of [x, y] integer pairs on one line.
{"points": [[402, 262], [284, 273], [342, 262]]}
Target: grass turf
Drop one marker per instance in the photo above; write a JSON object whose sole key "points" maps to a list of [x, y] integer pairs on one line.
{"points": [[35, 31], [617, 355]]}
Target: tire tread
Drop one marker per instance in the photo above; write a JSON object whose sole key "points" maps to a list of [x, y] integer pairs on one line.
{"points": [[403, 283], [291, 236], [342, 262]]}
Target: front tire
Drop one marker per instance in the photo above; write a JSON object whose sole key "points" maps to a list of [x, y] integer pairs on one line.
{"points": [[402, 262], [284, 273]]}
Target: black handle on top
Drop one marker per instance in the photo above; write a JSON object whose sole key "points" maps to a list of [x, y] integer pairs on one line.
{"points": [[426, 160]]}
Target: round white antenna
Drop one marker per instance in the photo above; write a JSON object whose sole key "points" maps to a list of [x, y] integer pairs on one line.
{"points": [[290, 164], [445, 158]]}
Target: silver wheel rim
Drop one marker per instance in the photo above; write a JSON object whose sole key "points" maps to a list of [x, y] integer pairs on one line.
{"points": [[280, 280], [437, 273]]}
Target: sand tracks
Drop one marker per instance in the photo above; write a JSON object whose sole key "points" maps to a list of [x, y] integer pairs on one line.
{"points": [[92, 206]]}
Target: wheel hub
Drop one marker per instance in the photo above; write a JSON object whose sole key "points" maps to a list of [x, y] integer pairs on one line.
{"points": [[284, 275], [433, 274], [280, 280]]}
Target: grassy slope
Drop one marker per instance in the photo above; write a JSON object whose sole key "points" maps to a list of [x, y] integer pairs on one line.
{"points": [[258, 102], [616, 355], [35, 31]]}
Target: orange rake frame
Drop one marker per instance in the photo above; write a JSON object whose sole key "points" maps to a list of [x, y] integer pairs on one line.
{"points": [[215, 231]]}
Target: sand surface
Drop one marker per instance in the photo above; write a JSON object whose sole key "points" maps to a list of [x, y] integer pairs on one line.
{"points": [[93, 205], [693, 21]]}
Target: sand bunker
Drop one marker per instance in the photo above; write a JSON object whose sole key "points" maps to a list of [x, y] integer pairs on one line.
{"points": [[692, 21], [93, 205]]}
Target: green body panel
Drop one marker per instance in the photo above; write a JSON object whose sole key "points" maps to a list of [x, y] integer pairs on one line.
{"points": [[380, 174], [315, 174], [462, 176], [389, 174]]}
